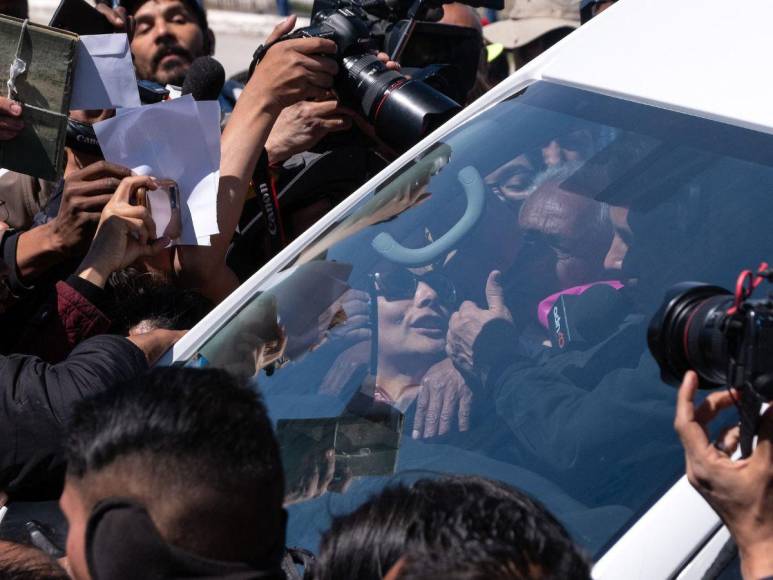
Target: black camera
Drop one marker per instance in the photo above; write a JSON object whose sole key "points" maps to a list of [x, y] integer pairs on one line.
{"points": [[401, 109], [725, 337]]}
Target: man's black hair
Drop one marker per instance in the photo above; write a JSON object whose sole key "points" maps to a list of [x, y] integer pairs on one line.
{"points": [[193, 441], [483, 562], [144, 297], [457, 515], [23, 562]]}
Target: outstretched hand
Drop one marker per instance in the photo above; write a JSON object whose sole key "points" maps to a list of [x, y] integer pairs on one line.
{"points": [[739, 491]]}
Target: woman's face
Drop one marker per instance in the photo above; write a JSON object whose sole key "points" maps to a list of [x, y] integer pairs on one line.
{"points": [[414, 326]]}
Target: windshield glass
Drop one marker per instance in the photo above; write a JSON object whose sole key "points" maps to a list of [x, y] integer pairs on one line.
{"points": [[484, 310]]}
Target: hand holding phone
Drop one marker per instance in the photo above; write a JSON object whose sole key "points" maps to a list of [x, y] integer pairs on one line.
{"points": [[164, 206]]}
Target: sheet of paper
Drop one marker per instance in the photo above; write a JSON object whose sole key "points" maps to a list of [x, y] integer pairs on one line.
{"points": [[104, 74], [170, 139]]}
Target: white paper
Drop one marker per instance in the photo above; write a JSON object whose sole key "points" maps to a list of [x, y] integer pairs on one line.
{"points": [[177, 139], [104, 73]]}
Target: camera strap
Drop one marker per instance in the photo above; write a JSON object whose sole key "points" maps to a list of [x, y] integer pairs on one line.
{"points": [[264, 182]]}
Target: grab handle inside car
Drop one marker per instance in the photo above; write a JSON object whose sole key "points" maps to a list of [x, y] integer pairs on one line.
{"points": [[474, 189]]}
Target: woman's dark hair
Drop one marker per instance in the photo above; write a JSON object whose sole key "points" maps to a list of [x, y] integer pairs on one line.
{"points": [[457, 515]]}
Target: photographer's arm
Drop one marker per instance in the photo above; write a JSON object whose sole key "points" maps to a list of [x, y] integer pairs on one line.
{"points": [[291, 71], [739, 491]]}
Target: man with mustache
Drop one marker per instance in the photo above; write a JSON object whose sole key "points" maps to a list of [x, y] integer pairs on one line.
{"points": [[168, 36]]}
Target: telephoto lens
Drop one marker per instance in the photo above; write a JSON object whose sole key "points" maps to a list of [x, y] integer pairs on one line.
{"points": [[689, 331], [401, 110]]}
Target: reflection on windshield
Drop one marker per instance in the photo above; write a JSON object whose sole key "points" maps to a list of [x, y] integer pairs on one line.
{"points": [[484, 311]]}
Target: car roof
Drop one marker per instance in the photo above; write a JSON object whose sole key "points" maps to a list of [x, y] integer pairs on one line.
{"points": [[703, 57]]}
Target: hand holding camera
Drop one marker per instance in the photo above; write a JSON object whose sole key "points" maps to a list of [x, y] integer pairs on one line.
{"points": [[737, 490], [293, 70]]}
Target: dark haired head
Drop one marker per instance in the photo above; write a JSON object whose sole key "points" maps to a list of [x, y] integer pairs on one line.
{"points": [[21, 562], [459, 516], [196, 449], [148, 301]]}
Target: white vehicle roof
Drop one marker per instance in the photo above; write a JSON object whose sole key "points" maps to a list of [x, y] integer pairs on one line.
{"points": [[692, 56]]}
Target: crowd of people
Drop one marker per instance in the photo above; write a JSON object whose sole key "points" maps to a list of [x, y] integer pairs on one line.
{"points": [[178, 472]]}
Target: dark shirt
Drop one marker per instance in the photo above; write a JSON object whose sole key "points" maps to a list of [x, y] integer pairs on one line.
{"points": [[35, 405]]}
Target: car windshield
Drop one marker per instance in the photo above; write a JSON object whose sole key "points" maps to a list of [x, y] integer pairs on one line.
{"points": [[558, 217]]}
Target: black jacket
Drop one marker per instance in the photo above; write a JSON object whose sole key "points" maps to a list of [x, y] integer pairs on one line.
{"points": [[596, 421], [35, 406]]}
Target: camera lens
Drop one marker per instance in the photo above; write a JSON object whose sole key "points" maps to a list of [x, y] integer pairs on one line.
{"points": [[402, 110], [687, 332]]}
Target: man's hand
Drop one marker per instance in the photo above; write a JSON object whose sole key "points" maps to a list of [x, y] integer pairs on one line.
{"points": [[156, 342], [739, 491], [116, 16], [301, 126], [292, 70], [466, 324], [85, 193], [125, 233], [444, 395], [11, 123]]}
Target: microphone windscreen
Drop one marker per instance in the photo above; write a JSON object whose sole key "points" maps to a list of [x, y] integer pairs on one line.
{"points": [[598, 312], [586, 319], [205, 79]]}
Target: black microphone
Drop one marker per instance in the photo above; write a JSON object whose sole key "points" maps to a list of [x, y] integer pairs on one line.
{"points": [[584, 320], [205, 79]]}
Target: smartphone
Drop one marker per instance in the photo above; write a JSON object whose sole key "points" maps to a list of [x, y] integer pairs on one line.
{"points": [[164, 206], [80, 17]]}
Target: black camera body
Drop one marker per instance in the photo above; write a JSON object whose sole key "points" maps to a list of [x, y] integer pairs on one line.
{"points": [[402, 110], [725, 337]]}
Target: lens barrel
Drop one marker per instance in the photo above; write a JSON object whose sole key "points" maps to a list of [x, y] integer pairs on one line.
{"points": [[688, 332], [402, 110]]}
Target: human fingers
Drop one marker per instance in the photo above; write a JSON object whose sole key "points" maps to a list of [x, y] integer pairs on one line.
{"points": [[11, 124], [691, 433], [764, 450], [495, 294], [284, 27], [434, 407], [9, 108], [333, 124], [130, 184], [728, 440], [95, 203], [137, 227], [318, 64], [111, 15], [713, 405], [104, 185], [390, 64], [101, 169], [313, 45], [465, 409], [320, 108], [422, 402], [449, 409], [155, 246], [330, 470]]}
